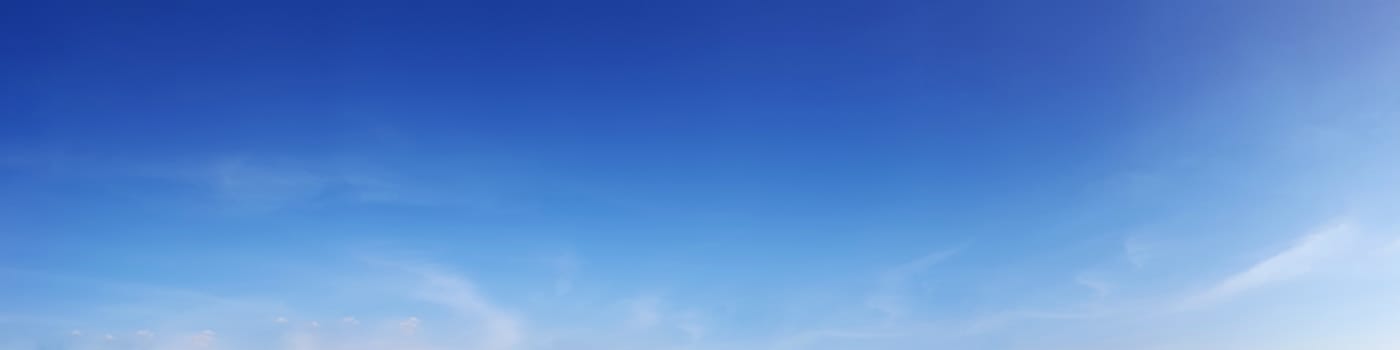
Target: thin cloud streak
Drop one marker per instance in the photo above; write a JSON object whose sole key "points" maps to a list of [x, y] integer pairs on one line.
{"points": [[501, 330], [889, 297], [1297, 260]]}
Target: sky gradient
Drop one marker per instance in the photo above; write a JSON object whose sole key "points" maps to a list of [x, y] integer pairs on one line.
{"points": [[700, 175]]}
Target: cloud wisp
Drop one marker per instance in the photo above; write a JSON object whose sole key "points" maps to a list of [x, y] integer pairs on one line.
{"points": [[1310, 250], [890, 295], [500, 330], [436, 308]]}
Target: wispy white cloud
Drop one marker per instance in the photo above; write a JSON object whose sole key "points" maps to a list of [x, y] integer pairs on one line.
{"points": [[500, 330], [1100, 287], [203, 339], [1298, 259], [410, 325], [268, 183], [692, 327], [452, 312], [806, 339], [472, 320], [890, 294], [243, 182], [644, 312], [994, 321], [247, 182], [1393, 247], [890, 297], [301, 341]]}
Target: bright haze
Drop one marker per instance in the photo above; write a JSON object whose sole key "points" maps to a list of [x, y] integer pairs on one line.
{"points": [[700, 175]]}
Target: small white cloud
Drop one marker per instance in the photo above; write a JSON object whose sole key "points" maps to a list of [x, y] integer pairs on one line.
{"points": [[280, 320], [203, 339], [76, 333], [108, 337], [145, 334], [314, 324], [349, 320], [409, 325]]}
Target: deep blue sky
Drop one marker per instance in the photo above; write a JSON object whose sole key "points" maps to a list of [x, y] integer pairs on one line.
{"points": [[699, 175]]}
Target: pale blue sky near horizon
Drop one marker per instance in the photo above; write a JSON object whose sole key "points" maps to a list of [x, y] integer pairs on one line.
{"points": [[739, 175]]}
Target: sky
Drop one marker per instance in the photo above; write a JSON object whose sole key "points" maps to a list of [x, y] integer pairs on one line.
{"points": [[700, 175]]}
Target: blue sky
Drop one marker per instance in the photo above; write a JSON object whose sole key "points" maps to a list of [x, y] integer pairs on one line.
{"points": [[742, 175]]}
